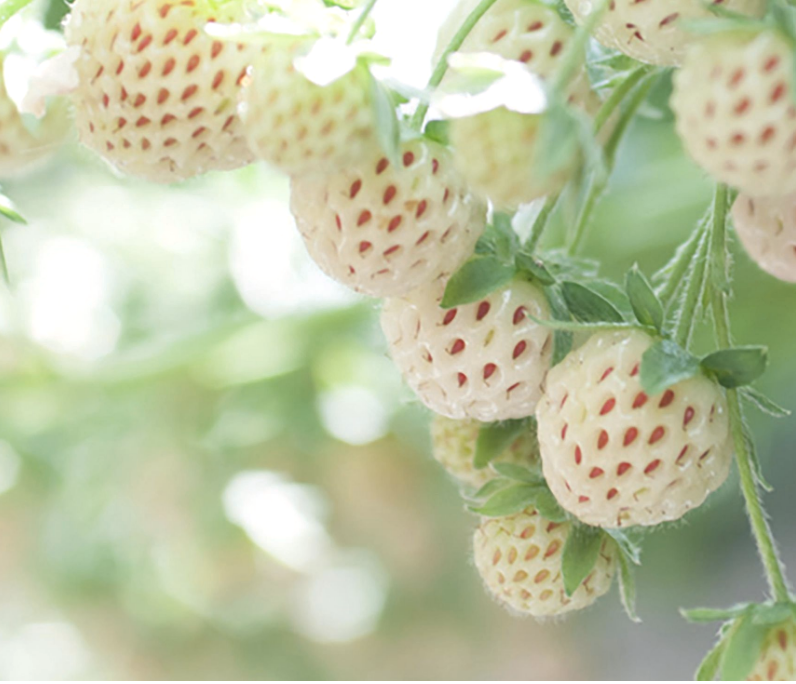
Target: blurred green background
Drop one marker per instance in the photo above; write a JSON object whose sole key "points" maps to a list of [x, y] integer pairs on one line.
{"points": [[209, 468]]}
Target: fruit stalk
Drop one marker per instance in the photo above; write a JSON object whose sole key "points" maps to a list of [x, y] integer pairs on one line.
{"points": [[442, 65], [766, 546], [597, 185], [695, 286], [360, 21]]}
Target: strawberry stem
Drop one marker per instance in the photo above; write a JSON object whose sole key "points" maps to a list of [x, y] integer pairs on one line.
{"points": [[611, 104], [360, 21], [441, 68], [720, 293], [597, 186], [694, 291]]}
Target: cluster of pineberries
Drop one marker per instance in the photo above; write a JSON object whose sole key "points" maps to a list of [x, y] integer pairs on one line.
{"points": [[163, 97]]}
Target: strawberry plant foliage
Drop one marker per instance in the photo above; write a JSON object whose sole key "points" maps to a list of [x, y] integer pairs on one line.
{"points": [[571, 409]]}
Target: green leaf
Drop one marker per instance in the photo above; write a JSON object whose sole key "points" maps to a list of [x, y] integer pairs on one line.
{"points": [[495, 438], [9, 211], [742, 650], [737, 367], [490, 488], [9, 8], [518, 473], [615, 295], [581, 551], [562, 339], [627, 587], [763, 403], [646, 305], [628, 547], [772, 614], [388, 130], [701, 615], [535, 268], [477, 279], [548, 507], [709, 667], [438, 131], [508, 501], [665, 364], [587, 306]]}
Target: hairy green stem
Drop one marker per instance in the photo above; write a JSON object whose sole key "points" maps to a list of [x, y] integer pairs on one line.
{"points": [[598, 185], [618, 95], [775, 572], [360, 21], [692, 297], [674, 272], [441, 68], [574, 55], [541, 222]]}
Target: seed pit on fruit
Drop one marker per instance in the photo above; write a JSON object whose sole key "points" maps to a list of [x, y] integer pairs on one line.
{"points": [[489, 370], [449, 316], [421, 209], [607, 372], [578, 455], [564, 431], [612, 493], [356, 186], [596, 472], [608, 406], [389, 194], [532, 552], [635, 370], [381, 166], [602, 440], [409, 158], [688, 416], [520, 315], [519, 350], [395, 224], [667, 399], [552, 549], [640, 400], [630, 436], [622, 468], [652, 467], [457, 347], [364, 217], [483, 310], [462, 378], [541, 576], [657, 434]]}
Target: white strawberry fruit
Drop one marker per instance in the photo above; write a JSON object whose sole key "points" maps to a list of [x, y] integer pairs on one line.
{"points": [[614, 456], [654, 31], [483, 361], [777, 660], [384, 229], [767, 229], [519, 558], [157, 95], [302, 127], [453, 446], [735, 111], [495, 149], [22, 148]]}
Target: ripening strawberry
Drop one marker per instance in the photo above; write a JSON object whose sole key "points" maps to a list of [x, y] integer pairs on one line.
{"points": [[777, 661], [614, 456], [495, 150], [654, 31], [767, 229], [385, 229], [519, 559], [453, 446], [157, 95], [22, 148], [483, 361], [735, 111], [302, 127]]}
